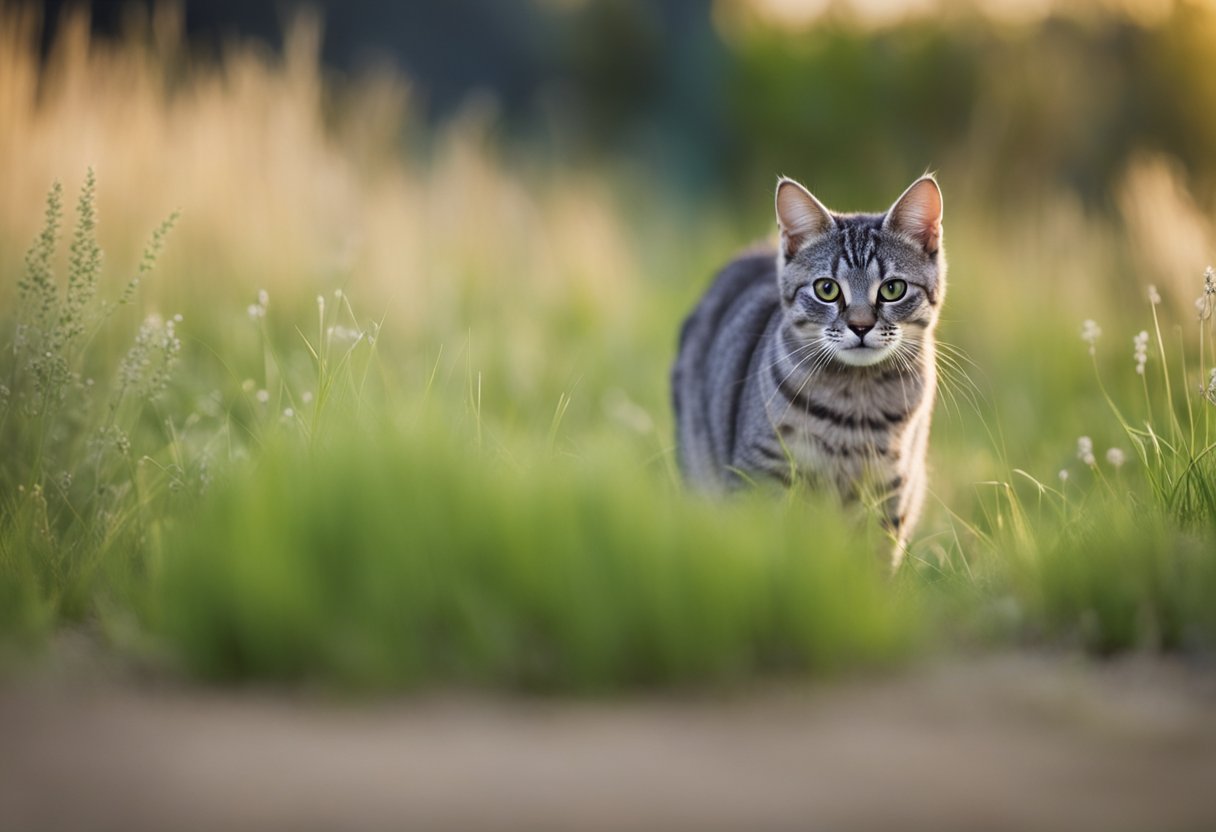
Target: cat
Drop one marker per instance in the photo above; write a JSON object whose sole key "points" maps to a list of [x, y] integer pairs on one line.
{"points": [[816, 363]]}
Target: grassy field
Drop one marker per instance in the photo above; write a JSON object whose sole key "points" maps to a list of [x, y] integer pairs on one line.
{"points": [[331, 409]]}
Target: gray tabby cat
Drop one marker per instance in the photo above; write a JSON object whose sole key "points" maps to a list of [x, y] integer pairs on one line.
{"points": [[818, 364]]}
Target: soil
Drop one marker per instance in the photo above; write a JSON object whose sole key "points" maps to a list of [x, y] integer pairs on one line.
{"points": [[1014, 742]]}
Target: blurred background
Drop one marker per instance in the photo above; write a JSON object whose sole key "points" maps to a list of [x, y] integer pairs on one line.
{"points": [[717, 95]]}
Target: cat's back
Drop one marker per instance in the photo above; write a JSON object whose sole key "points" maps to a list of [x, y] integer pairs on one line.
{"points": [[717, 344]]}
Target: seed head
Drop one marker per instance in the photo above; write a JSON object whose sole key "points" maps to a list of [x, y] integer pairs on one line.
{"points": [[1154, 297], [1090, 332], [1205, 302], [1116, 457], [1140, 351], [1085, 451]]}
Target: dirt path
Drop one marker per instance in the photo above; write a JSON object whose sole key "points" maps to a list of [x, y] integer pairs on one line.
{"points": [[1010, 743]]}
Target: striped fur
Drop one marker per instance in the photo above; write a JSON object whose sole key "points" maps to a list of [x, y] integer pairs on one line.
{"points": [[774, 382]]}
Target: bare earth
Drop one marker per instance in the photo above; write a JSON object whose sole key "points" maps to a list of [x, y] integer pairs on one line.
{"points": [[996, 744]]}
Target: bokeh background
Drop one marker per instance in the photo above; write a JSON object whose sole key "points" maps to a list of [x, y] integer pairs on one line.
{"points": [[498, 213]]}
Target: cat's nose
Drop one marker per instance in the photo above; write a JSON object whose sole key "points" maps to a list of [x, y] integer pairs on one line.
{"points": [[861, 330]]}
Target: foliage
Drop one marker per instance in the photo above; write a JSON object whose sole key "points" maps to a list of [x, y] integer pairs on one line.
{"points": [[475, 483]]}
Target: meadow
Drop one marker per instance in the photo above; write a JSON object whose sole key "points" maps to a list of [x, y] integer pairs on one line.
{"points": [[357, 400]]}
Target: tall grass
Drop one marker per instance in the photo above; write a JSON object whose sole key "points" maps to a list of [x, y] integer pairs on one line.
{"points": [[405, 556], [84, 461], [465, 474]]}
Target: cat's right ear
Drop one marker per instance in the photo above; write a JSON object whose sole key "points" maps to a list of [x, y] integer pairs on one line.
{"points": [[800, 217]]}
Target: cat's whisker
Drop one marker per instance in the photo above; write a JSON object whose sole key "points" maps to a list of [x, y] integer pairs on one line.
{"points": [[811, 356]]}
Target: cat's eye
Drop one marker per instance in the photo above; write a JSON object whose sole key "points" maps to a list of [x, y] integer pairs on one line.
{"points": [[827, 290], [893, 290]]}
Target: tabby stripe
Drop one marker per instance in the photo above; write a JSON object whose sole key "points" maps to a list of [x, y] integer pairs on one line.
{"points": [[875, 448], [772, 454], [801, 397], [736, 401]]}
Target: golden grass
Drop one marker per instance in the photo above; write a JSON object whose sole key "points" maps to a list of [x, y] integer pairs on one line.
{"points": [[285, 184]]}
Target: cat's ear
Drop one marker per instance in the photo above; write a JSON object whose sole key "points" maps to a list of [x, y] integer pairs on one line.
{"points": [[800, 216], [918, 214]]}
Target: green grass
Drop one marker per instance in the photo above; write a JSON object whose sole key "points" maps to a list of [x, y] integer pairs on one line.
{"points": [[403, 555], [304, 494]]}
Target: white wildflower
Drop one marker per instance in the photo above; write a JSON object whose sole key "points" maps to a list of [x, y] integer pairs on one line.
{"points": [[262, 396], [1116, 457], [1154, 297], [288, 413], [257, 311], [338, 294], [321, 303], [1090, 332], [306, 397], [344, 334], [1205, 302], [1140, 351], [1210, 393], [1063, 475], [1085, 451], [248, 385]]}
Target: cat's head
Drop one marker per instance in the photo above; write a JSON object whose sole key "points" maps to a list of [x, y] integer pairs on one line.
{"points": [[864, 288]]}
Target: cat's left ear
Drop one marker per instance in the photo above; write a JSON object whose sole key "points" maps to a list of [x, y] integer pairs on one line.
{"points": [[918, 214]]}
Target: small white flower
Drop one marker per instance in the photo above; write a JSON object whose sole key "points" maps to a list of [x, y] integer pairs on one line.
{"points": [[1205, 302], [321, 302], [1063, 475], [288, 413], [344, 334], [1085, 451], [248, 385], [178, 317], [1140, 351], [1090, 332], [307, 397], [1154, 297], [263, 298], [1210, 393], [338, 294], [1116, 457], [262, 396], [256, 311]]}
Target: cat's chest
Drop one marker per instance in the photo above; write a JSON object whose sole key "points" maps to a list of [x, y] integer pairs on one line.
{"points": [[851, 429]]}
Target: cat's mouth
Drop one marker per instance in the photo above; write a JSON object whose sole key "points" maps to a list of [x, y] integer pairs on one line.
{"points": [[863, 356]]}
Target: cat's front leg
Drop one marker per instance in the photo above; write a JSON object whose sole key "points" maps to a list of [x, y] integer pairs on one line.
{"points": [[900, 510]]}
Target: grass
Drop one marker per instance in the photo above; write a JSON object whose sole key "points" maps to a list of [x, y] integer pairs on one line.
{"points": [[473, 483], [400, 556]]}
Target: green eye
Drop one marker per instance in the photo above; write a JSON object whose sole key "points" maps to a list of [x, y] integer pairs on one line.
{"points": [[892, 290], [827, 290]]}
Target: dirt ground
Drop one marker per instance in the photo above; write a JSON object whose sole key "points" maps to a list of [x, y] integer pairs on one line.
{"points": [[1016, 742]]}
